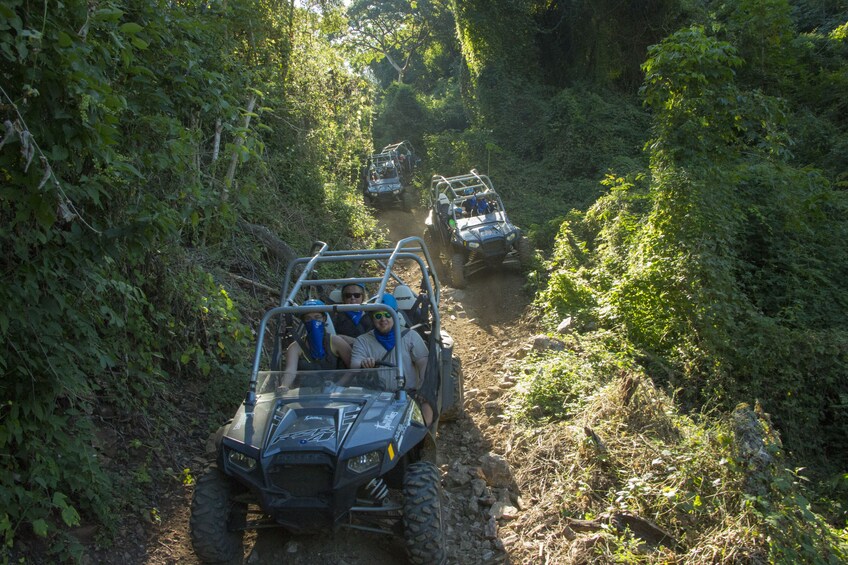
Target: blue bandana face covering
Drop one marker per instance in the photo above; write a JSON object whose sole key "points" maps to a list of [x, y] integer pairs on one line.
{"points": [[386, 340], [315, 335], [355, 316]]}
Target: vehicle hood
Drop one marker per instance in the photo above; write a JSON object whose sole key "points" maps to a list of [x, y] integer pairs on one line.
{"points": [[489, 226], [384, 185], [326, 423]]}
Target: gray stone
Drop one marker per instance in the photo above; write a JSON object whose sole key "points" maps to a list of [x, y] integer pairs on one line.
{"points": [[496, 470], [566, 325]]}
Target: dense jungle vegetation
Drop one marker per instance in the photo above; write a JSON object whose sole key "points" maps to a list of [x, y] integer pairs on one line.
{"points": [[681, 165]]}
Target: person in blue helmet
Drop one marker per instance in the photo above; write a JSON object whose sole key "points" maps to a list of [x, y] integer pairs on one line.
{"points": [[352, 324], [477, 205], [377, 346], [316, 349]]}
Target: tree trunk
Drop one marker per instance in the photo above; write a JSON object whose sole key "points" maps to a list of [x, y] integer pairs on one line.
{"points": [[234, 161]]}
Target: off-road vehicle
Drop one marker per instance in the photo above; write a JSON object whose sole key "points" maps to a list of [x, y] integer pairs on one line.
{"points": [[338, 448], [467, 223], [385, 183]]}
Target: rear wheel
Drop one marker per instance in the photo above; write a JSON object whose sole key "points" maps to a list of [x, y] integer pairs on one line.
{"points": [[458, 270], [422, 514], [525, 252], [456, 410], [214, 515]]}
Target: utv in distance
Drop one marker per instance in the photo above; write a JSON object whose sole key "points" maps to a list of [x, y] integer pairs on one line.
{"points": [[467, 222], [344, 448], [385, 182]]}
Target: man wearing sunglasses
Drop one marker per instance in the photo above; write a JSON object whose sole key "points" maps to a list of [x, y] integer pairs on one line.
{"points": [[352, 324], [378, 345]]}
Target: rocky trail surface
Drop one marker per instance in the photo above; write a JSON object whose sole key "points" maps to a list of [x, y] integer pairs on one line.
{"points": [[488, 322]]}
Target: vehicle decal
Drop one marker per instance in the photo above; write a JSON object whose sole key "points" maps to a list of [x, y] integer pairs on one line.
{"points": [[238, 425], [386, 422], [317, 435]]}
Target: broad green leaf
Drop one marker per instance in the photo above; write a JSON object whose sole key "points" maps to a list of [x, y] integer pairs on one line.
{"points": [[65, 39], [40, 528], [131, 27], [139, 43], [70, 516], [108, 14]]}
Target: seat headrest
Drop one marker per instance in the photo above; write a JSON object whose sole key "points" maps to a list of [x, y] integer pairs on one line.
{"points": [[405, 297], [336, 295]]}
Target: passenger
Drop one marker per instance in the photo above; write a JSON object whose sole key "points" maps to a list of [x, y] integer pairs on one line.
{"points": [[317, 350], [352, 324], [476, 205], [482, 205], [377, 345]]}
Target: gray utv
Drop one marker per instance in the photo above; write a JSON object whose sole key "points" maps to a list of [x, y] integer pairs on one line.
{"points": [[385, 182], [467, 223], [339, 448]]}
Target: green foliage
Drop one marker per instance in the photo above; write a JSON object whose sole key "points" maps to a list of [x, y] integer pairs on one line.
{"points": [[587, 132], [602, 42], [725, 269], [400, 116], [560, 385], [391, 30], [109, 175]]}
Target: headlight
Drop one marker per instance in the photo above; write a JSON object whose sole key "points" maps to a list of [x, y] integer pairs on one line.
{"points": [[395, 192], [242, 461], [473, 244], [416, 415], [511, 237], [364, 463]]}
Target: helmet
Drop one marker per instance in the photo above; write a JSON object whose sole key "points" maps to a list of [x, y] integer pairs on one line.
{"points": [[313, 302], [389, 300]]}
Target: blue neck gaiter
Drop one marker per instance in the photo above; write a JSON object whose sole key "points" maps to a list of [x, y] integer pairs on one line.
{"points": [[355, 316], [386, 340], [315, 336]]}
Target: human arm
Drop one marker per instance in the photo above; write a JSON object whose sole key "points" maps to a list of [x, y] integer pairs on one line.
{"points": [[292, 355]]}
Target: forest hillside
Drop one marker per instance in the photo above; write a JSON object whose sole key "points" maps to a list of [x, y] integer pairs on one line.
{"points": [[680, 166]]}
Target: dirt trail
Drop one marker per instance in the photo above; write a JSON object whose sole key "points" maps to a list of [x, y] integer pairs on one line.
{"points": [[487, 322]]}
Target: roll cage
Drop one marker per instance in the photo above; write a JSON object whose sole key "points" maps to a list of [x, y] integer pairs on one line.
{"points": [[297, 288]]}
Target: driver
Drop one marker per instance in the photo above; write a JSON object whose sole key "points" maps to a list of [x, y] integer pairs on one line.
{"points": [[317, 350], [377, 345]]}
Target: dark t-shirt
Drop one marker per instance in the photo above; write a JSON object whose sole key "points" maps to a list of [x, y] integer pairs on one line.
{"points": [[344, 324]]}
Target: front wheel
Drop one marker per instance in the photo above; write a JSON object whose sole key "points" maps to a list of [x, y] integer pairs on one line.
{"points": [[458, 270], [214, 519], [422, 514]]}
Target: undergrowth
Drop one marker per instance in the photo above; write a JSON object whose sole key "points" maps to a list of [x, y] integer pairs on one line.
{"points": [[703, 487]]}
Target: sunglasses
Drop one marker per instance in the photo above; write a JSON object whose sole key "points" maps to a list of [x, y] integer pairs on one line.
{"points": [[381, 315], [353, 295]]}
